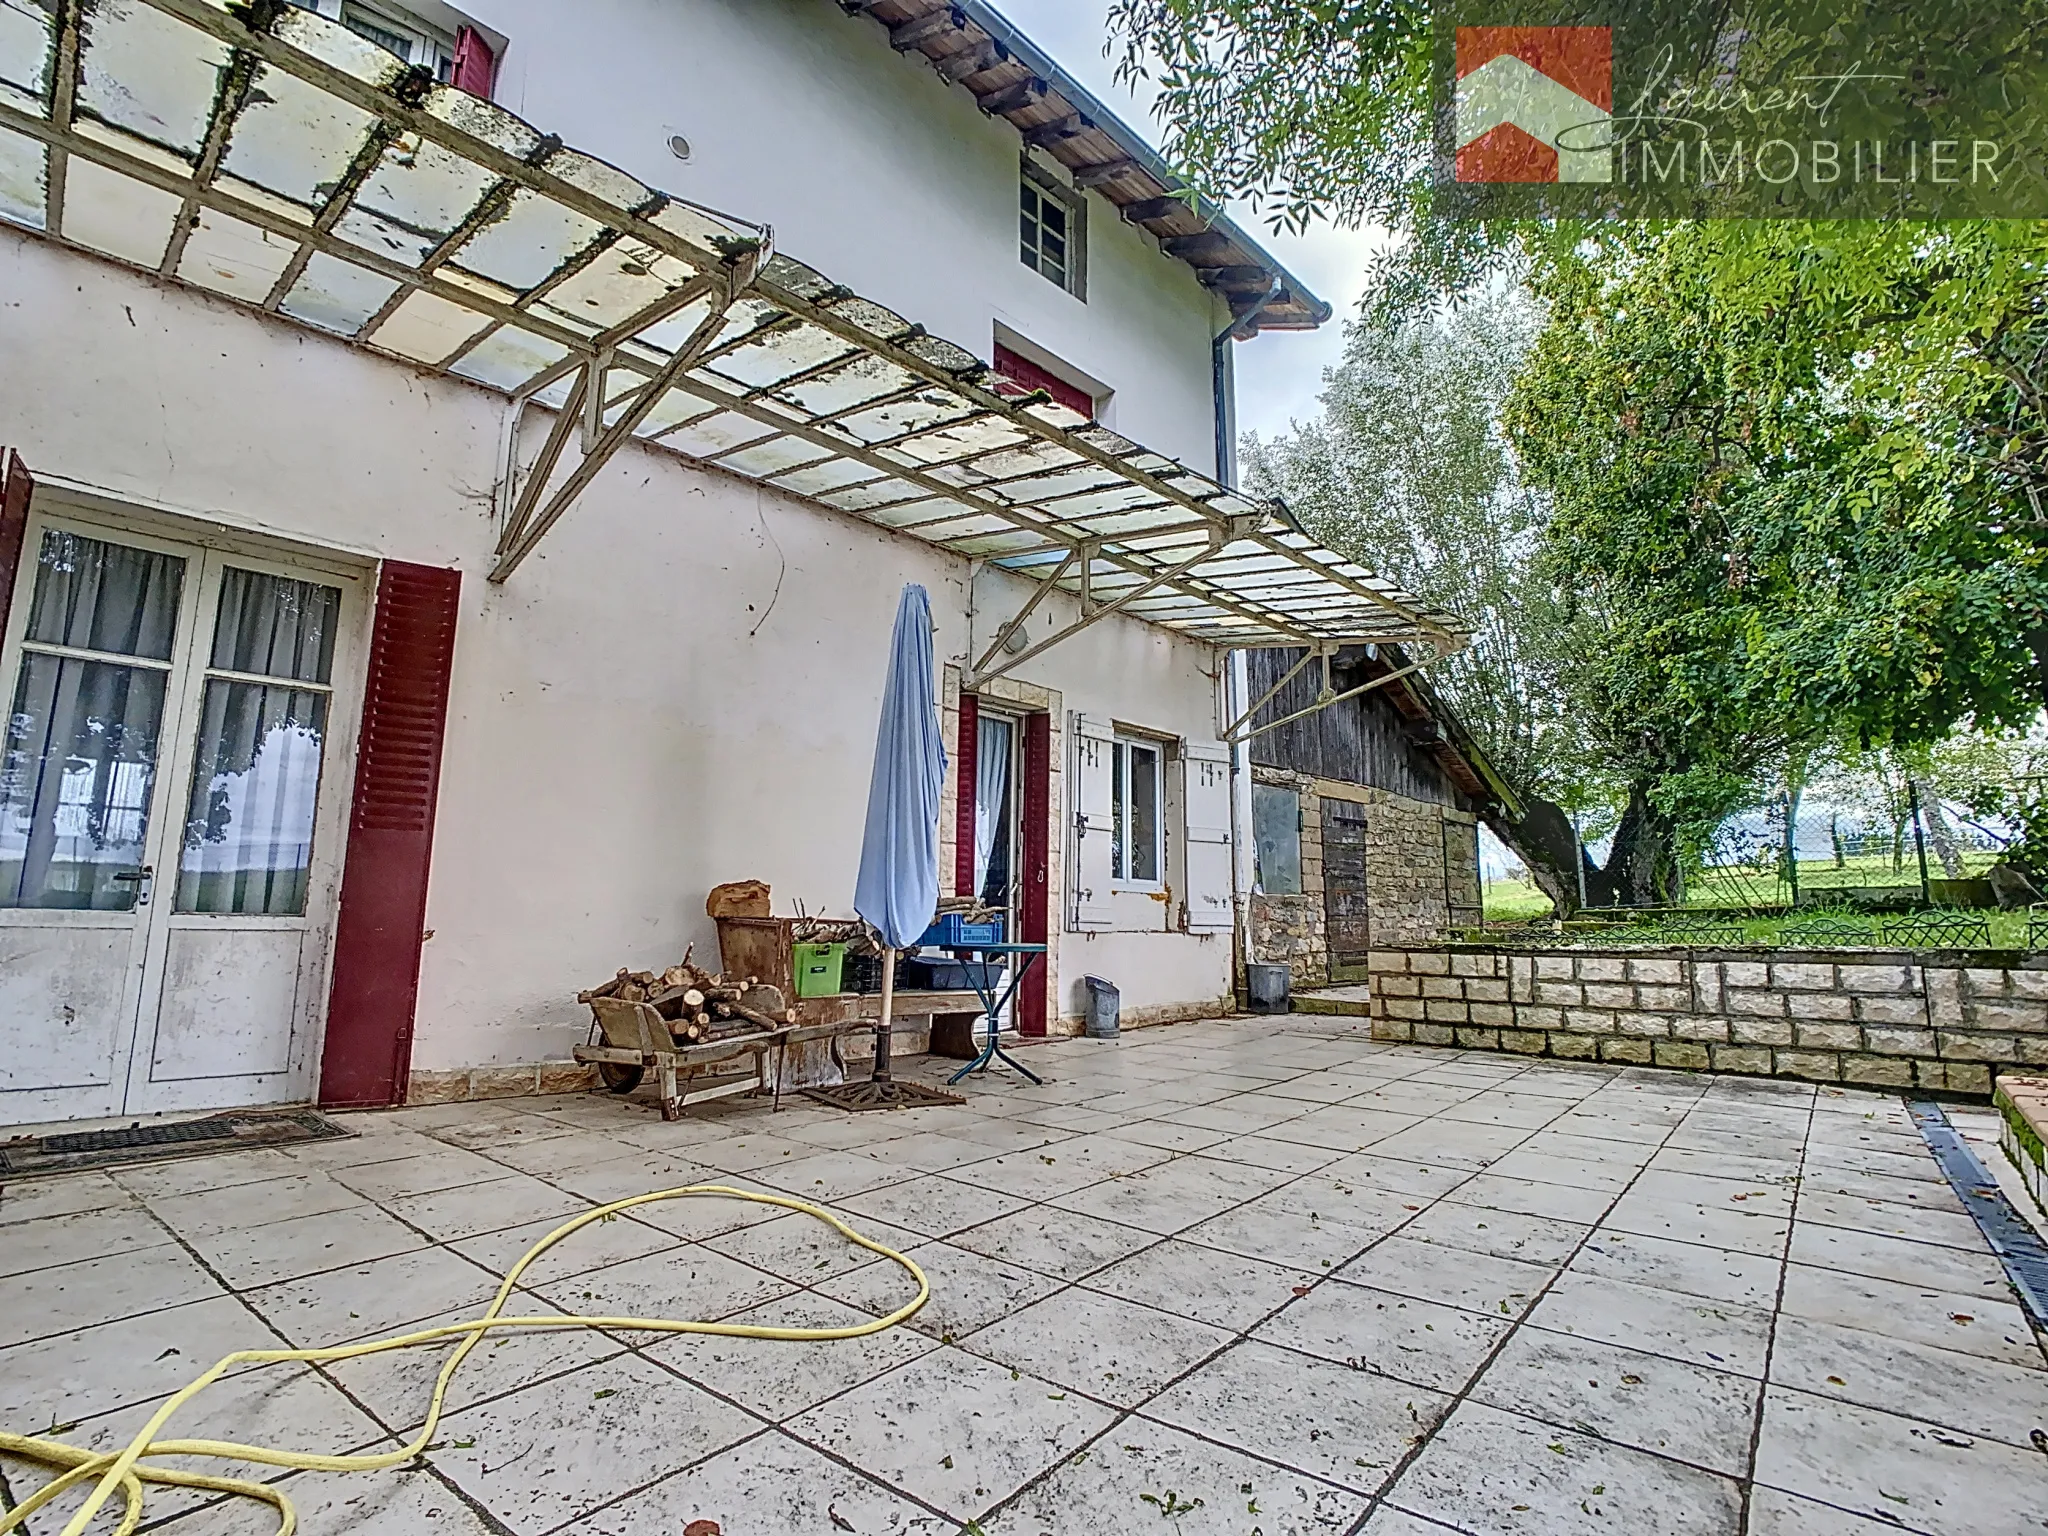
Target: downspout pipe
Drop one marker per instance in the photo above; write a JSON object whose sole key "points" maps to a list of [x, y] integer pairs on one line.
{"points": [[1236, 672], [1223, 408]]}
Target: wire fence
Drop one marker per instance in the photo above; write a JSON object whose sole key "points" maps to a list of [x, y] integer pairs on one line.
{"points": [[1931, 854]]}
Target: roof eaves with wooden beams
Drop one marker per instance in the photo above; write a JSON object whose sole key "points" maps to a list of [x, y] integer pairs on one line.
{"points": [[273, 158], [974, 46]]}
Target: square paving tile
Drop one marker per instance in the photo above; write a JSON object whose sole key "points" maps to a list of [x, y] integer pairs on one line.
{"points": [[769, 1484], [1106, 1347], [94, 1370], [1646, 1401], [1717, 1334], [48, 1241], [1477, 1282], [1502, 1234], [1419, 1341], [1895, 1470], [1934, 1266], [1144, 1476], [1961, 1392], [778, 1378], [1973, 1325], [1490, 1471], [560, 1448], [1224, 1289], [968, 1290], [364, 1299], [953, 1431], [1345, 1426], [57, 1300], [305, 1245], [1063, 1244], [1720, 1274]]}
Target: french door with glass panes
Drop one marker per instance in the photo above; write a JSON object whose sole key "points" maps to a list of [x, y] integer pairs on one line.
{"points": [[170, 778]]}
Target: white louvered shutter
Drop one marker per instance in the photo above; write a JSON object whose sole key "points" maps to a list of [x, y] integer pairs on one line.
{"points": [[1205, 792], [1088, 881]]}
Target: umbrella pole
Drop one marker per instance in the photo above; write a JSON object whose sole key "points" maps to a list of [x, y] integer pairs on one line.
{"points": [[881, 1073]]}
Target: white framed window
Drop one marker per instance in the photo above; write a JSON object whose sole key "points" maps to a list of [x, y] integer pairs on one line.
{"points": [[1137, 813], [1051, 231]]}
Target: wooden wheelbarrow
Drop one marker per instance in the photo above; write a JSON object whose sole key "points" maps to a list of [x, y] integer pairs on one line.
{"points": [[636, 1037]]}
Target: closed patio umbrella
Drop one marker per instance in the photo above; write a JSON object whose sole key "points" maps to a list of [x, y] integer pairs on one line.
{"points": [[897, 890]]}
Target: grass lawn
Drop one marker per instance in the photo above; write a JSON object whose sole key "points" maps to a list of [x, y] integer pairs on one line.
{"points": [[1513, 901], [1517, 902]]}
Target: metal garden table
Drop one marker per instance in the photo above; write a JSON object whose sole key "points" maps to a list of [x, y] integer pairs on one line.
{"points": [[992, 1005]]}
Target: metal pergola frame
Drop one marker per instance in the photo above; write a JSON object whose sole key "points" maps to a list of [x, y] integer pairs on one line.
{"points": [[295, 167]]}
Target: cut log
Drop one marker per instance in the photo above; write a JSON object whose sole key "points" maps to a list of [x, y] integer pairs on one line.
{"points": [[604, 989]]}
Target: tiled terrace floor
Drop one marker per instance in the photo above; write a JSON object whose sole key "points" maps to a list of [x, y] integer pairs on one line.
{"points": [[1258, 1276]]}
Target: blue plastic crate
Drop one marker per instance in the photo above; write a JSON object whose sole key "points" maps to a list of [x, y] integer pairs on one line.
{"points": [[955, 931]]}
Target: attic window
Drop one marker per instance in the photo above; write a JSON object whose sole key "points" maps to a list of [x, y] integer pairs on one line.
{"points": [[1025, 374], [1051, 231]]}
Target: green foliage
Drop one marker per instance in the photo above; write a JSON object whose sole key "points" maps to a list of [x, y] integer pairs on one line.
{"points": [[1312, 111], [1772, 482]]}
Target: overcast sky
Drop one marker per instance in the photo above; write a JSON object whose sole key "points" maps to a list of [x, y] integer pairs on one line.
{"points": [[1279, 374]]}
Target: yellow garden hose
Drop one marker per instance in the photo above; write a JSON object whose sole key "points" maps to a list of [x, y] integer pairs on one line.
{"points": [[124, 1470]]}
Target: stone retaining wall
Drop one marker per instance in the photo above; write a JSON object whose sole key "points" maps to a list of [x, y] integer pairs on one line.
{"points": [[1942, 1020]]}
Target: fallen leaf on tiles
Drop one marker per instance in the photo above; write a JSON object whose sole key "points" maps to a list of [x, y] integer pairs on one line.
{"points": [[839, 1521], [702, 1528], [1631, 1381], [1301, 1290], [1963, 1442], [1837, 1381], [946, 1462], [1961, 1317], [607, 1392]]}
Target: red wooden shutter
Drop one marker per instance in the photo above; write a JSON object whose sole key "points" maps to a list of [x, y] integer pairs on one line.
{"points": [[15, 489], [966, 778], [476, 64], [1021, 370], [378, 931], [1037, 818]]}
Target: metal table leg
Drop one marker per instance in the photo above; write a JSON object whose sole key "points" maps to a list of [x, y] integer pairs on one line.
{"points": [[993, 1008]]}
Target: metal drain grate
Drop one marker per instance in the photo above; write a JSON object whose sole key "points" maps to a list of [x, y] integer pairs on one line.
{"points": [[2017, 1244], [69, 1151], [139, 1136]]}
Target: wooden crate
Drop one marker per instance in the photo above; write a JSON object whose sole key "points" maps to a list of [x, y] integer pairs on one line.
{"points": [[759, 947]]}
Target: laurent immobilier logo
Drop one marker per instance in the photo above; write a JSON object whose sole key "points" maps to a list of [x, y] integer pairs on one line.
{"points": [[1534, 103]]}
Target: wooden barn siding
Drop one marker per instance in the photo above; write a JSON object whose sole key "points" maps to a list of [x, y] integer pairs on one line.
{"points": [[1359, 741]]}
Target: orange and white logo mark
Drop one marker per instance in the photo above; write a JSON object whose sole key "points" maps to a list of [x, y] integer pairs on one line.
{"points": [[1533, 103]]}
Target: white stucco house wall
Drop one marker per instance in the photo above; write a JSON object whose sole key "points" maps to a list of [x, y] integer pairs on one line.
{"points": [[221, 519]]}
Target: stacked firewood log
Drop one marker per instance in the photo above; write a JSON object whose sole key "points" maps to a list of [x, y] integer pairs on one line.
{"points": [[699, 1005]]}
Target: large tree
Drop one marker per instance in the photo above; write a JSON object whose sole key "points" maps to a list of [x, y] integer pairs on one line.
{"points": [[1793, 527]]}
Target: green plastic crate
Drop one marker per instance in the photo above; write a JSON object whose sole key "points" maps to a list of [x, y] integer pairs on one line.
{"points": [[817, 968]]}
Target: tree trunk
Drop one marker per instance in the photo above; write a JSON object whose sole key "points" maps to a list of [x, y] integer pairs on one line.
{"points": [[1939, 832], [1544, 840], [1642, 868]]}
